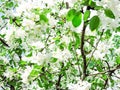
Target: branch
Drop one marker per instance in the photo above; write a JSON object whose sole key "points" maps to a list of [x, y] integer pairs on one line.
{"points": [[67, 5], [1, 40], [12, 87], [107, 65], [47, 44], [96, 46], [43, 74], [3, 26], [90, 43], [82, 46], [117, 77], [47, 39], [59, 79], [4, 43], [106, 83], [79, 67], [82, 51], [107, 71], [3, 88]]}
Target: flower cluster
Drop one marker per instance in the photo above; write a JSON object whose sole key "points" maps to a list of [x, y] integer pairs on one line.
{"points": [[49, 44]]}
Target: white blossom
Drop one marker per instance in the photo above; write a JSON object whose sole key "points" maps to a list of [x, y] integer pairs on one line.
{"points": [[33, 33], [102, 50], [9, 74], [81, 85], [28, 23], [38, 44], [25, 74], [5, 59], [62, 55], [66, 39], [38, 58]]}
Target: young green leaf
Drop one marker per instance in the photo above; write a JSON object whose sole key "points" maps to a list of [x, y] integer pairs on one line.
{"points": [[118, 29], [77, 39], [11, 20], [43, 18], [109, 13], [86, 15], [77, 19], [9, 4], [94, 23], [53, 60], [29, 54], [40, 83], [108, 34], [70, 15], [118, 60]]}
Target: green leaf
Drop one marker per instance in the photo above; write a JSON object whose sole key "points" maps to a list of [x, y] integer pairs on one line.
{"points": [[118, 29], [92, 4], [36, 11], [3, 17], [70, 46], [116, 41], [18, 51], [62, 45], [86, 15], [38, 67], [53, 60], [112, 82], [99, 65], [108, 34], [11, 20], [18, 21], [1, 62], [29, 54], [13, 83], [46, 11], [77, 39], [109, 13], [13, 69], [9, 4], [118, 60], [98, 7], [22, 63], [70, 15], [1, 10], [43, 18], [77, 20], [89, 2], [92, 39], [104, 76], [100, 82], [91, 64], [85, 2], [94, 23], [34, 73], [40, 83]]}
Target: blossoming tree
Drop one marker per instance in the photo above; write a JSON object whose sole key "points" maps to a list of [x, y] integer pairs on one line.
{"points": [[59, 45]]}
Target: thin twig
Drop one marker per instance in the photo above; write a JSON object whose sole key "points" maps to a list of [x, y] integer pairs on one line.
{"points": [[59, 79], [78, 64], [4, 43], [107, 65], [3, 26], [107, 71], [90, 43], [96, 46], [117, 77]]}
